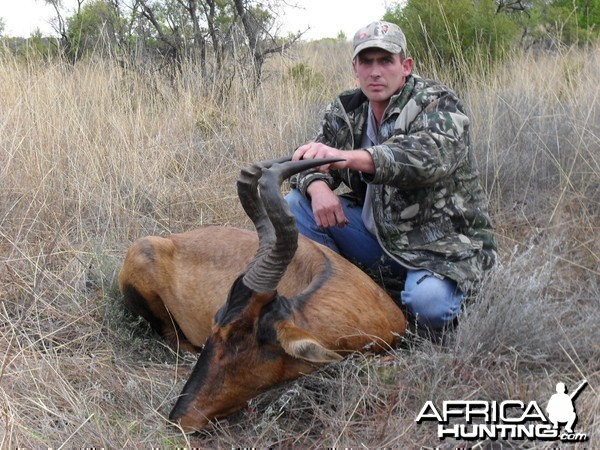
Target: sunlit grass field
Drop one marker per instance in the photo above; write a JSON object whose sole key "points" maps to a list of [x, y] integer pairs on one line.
{"points": [[94, 156]]}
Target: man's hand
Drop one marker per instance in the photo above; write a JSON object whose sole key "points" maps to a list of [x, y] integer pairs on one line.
{"points": [[314, 150], [353, 159], [326, 205]]}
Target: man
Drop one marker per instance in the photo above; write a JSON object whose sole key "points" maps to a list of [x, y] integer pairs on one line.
{"points": [[415, 204]]}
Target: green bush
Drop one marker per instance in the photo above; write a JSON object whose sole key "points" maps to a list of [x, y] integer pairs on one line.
{"points": [[305, 77], [454, 32]]}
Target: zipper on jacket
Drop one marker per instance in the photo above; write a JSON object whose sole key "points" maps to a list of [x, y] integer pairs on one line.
{"points": [[346, 119]]}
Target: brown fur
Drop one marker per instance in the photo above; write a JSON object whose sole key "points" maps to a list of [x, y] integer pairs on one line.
{"points": [[185, 277], [191, 273]]}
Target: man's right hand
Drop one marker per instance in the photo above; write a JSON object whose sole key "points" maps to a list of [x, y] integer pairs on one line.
{"points": [[326, 205]]}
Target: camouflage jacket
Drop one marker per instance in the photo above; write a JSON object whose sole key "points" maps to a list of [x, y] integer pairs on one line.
{"points": [[429, 208]]}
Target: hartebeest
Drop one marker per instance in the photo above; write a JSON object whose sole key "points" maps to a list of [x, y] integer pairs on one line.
{"points": [[292, 306]]}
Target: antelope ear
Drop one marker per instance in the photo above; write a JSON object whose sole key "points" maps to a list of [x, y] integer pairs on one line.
{"points": [[301, 344]]}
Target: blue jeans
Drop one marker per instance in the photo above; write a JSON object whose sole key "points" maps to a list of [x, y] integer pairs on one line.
{"points": [[434, 302]]}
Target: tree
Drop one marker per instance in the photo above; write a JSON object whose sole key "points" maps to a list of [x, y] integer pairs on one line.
{"points": [[93, 28], [236, 29], [257, 23], [454, 31], [566, 22], [588, 15], [449, 30], [225, 38], [60, 26]]}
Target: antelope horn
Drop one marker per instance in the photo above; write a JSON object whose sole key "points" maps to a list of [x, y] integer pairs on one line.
{"points": [[265, 271], [247, 188]]}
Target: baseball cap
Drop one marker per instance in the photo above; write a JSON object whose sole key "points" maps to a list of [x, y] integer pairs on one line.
{"points": [[385, 35]]}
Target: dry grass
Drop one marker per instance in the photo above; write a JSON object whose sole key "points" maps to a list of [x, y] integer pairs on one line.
{"points": [[94, 157]]}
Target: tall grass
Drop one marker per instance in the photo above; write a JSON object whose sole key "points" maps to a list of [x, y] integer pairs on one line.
{"points": [[94, 156]]}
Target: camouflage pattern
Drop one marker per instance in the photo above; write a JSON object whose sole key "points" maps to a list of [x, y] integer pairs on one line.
{"points": [[384, 35], [429, 207]]}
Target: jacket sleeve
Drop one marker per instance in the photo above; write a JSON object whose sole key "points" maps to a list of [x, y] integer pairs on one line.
{"points": [[430, 140]]}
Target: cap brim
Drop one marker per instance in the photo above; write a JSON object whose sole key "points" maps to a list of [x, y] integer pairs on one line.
{"points": [[387, 46]]}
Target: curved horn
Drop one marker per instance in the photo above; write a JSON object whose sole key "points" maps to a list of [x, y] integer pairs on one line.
{"points": [[265, 271], [247, 188]]}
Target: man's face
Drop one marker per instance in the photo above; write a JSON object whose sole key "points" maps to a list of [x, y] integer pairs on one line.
{"points": [[381, 74]]}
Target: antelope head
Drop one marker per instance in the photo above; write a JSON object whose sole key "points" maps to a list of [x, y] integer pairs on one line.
{"points": [[255, 343]]}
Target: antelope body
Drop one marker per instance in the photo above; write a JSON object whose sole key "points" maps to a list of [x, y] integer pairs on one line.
{"points": [[268, 306]]}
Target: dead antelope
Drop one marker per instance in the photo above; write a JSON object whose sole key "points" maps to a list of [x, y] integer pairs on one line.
{"points": [[291, 306]]}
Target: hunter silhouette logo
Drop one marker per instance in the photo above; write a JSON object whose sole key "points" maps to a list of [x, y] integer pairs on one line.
{"points": [[561, 409], [509, 419]]}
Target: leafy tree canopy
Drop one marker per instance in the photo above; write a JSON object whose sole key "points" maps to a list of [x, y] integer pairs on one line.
{"points": [[455, 31]]}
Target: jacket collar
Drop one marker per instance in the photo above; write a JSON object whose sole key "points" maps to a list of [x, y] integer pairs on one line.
{"points": [[353, 99]]}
